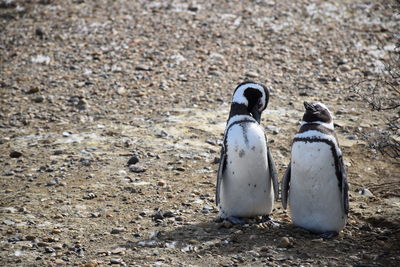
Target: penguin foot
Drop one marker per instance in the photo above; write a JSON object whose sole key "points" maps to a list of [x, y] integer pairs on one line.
{"points": [[235, 220], [329, 235], [269, 222]]}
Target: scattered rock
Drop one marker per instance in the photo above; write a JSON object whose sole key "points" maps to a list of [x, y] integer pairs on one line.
{"points": [[117, 230], [161, 183], [15, 154], [284, 242], [38, 99], [366, 192], [137, 169], [133, 160]]}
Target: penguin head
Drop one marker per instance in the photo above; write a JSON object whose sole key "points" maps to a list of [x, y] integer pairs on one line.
{"points": [[317, 112], [252, 95]]}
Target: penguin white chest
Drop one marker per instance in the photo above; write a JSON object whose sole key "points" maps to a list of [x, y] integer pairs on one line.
{"points": [[314, 195], [246, 187]]}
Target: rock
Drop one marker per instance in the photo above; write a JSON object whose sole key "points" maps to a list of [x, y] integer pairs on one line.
{"points": [[92, 263], [82, 104], [51, 183], [284, 242], [33, 90], [161, 183], [344, 68], [121, 90], [15, 154], [117, 230], [41, 59], [133, 160], [137, 169], [252, 74], [38, 99], [275, 130], [342, 61], [49, 250], [8, 222], [142, 68], [30, 237], [366, 192], [226, 224], [116, 261]]}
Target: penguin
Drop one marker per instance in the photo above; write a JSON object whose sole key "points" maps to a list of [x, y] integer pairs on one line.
{"points": [[315, 182], [246, 179]]}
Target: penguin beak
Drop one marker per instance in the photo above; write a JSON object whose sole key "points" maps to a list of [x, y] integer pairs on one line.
{"points": [[309, 106], [256, 114]]}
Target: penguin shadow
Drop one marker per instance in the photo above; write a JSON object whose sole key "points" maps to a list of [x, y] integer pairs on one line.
{"points": [[210, 237]]}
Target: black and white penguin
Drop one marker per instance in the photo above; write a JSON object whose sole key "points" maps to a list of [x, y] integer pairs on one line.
{"points": [[315, 183], [246, 179]]}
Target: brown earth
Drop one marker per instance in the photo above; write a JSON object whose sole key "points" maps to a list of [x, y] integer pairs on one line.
{"points": [[88, 85]]}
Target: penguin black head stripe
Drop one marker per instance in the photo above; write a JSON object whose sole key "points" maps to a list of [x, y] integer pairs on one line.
{"points": [[249, 98], [317, 112]]}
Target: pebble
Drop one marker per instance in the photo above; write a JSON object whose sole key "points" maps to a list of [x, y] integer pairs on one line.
{"points": [[49, 250], [133, 160], [117, 230], [161, 183], [252, 74], [344, 68], [92, 263], [15, 154], [121, 90], [116, 261], [142, 68], [38, 99], [366, 192], [82, 104], [137, 169], [284, 242]]}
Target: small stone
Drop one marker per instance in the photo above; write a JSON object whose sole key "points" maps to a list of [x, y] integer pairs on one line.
{"points": [[119, 250], [82, 104], [49, 250], [38, 99], [8, 222], [116, 261], [161, 183], [15, 154], [56, 231], [51, 183], [33, 90], [40, 32], [366, 192], [344, 68], [342, 61], [92, 263], [226, 224], [142, 68], [121, 90], [284, 242], [137, 169], [117, 230], [252, 74], [133, 160], [180, 169], [30, 237]]}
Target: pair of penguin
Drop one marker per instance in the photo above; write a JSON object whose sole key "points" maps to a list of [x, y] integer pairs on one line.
{"points": [[314, 185]]}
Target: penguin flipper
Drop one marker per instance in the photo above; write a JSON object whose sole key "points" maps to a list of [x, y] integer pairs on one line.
{"points": [[286, 185], [344, 186], [273, 173], [221, 169]]}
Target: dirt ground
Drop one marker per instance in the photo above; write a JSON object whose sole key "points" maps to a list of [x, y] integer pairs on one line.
{"points": [[87, 86]]}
